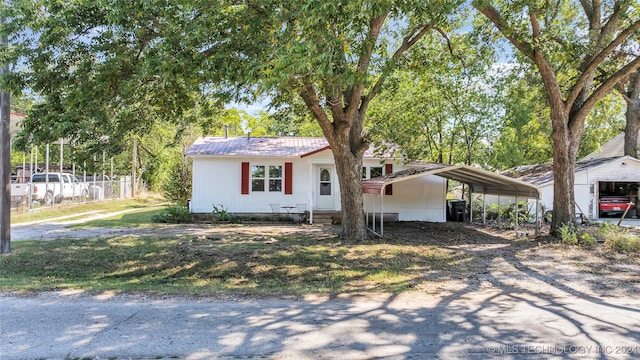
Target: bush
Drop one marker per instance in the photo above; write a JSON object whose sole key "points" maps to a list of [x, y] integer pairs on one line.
{"points": [[588, 239], [174, 215], [622, 241], [220, 213], [568, 235]]}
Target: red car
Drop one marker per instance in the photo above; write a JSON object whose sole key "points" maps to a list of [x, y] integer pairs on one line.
{"points": [[614, 205]]}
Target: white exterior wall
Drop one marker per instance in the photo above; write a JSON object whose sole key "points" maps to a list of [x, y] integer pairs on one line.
{"points": [[624, 169], [586, 184], [218, 180], [417, 199]]}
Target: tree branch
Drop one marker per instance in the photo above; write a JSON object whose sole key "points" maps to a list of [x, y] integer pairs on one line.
{"points": [[407, 42], [604, 89], [593, 65], [310, 98], [494, 16]]}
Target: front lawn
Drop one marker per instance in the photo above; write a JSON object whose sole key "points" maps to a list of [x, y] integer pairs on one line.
{"points": [[209, 265]]}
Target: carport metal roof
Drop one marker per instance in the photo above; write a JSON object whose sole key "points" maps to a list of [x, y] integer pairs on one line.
{"points": [[479, 180]]}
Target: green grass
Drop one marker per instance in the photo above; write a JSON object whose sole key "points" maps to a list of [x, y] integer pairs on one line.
{"points": [[210, 266], [72, 211]]}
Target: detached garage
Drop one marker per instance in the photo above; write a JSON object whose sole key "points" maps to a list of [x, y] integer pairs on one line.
{"points": [[604, 187]]}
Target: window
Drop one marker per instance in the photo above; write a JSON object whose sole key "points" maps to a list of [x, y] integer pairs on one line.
{"points": [[275, 178], [325, 182], [260, 177], [257, 178], [375, 171]]}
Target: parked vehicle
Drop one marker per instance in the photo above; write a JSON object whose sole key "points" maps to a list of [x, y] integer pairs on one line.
{"points": [[614, 205], [19, 193], [57, 187]]}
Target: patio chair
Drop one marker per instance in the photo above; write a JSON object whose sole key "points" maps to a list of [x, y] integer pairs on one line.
{"points": [[275, 211], [302, 212]]}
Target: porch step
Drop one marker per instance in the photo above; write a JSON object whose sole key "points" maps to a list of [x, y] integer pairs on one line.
{"points": [[327, 217]]}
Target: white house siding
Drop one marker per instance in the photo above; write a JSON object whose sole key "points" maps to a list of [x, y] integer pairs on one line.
{"points": [[218, 181], [418, 199], [624, 169], [586, 185]]}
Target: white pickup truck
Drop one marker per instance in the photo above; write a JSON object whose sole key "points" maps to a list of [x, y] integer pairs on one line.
{"points": [[19, 193], [59, 186]]}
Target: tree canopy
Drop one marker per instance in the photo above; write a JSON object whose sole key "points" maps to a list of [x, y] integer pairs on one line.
{"points": [[104, 72]]}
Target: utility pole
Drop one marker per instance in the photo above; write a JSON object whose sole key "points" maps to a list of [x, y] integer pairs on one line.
{"points": [[5, 161]]}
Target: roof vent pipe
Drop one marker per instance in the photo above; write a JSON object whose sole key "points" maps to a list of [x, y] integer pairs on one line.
{"points": [[226, 131], [249, 134]]}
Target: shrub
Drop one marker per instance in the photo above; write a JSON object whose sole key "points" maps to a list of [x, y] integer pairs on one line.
{"points": [[568, 235], [174, 215], [621, 241], [220, 213], [588, 239]]}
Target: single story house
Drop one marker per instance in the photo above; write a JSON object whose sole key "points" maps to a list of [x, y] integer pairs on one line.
{"points": [[258, 175]]}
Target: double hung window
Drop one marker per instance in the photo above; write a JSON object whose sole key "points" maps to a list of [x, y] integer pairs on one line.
{"points": [[266, 178]]}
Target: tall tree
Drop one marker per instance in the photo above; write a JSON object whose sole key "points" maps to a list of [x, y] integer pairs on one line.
{"points": [[630, 91], [108, 69], [567, 42], [442, 108]]}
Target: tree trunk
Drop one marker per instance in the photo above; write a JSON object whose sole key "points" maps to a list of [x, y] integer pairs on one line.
{"points": [[631, 132], [632, 98], [563, 181], [349, 170]]}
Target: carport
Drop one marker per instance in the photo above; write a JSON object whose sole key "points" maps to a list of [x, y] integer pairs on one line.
{"points": [[479, 181]]}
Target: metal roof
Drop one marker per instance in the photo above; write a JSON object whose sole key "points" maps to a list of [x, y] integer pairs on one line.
{"points": [[285, 146], [542, 174], [479, 180], [612, 148]]}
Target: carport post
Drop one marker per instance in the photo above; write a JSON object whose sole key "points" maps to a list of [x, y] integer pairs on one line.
{"points": [[517, 213], [373, 213], [382, 215], [499, 213], [537, 217], [470, 206], [484, 208], [366, 209]]}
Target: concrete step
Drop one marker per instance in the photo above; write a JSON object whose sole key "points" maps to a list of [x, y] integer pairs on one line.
{"points": [[327, 218]]}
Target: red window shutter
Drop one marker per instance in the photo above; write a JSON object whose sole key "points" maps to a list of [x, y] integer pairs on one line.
{"points": [[288, 178], [245, 179], [388, 169]]}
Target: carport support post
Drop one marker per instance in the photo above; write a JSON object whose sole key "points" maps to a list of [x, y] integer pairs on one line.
{"points": [[484, 208], [374, 214], [499, 213], [537, 217], [366, 210], [382, 215], [470, 206], [517, 213]]}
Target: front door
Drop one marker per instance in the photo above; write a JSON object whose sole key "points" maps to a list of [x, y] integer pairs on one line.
{"points": [[325, 190]]}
